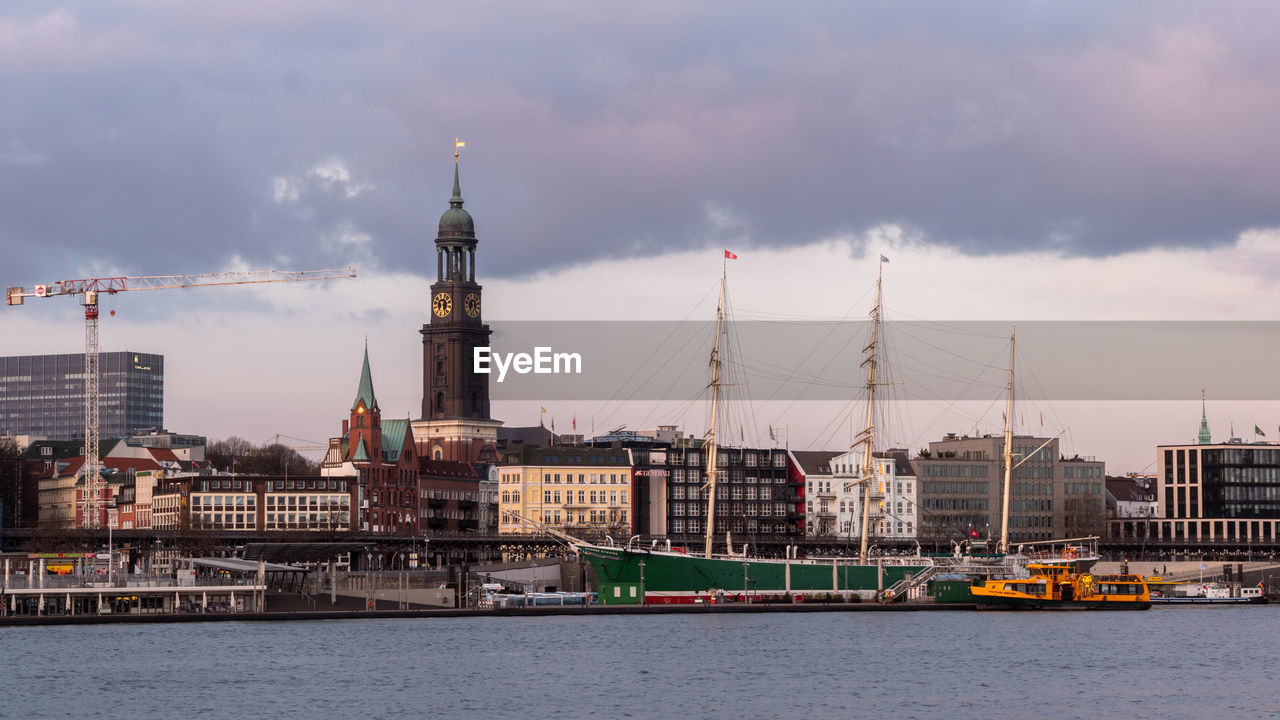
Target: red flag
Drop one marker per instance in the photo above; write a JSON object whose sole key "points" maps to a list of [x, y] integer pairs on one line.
{"points": [[730, 256], [575, 423], [973, 533]]}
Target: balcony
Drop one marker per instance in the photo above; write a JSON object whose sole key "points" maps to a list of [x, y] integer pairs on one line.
{"points": [[436, 502]]}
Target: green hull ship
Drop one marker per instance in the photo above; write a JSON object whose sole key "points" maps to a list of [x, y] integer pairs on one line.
{"points": [[632, 577]]}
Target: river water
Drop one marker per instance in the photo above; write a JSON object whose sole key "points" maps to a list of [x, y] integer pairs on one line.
{"points": [[1174, 662]]}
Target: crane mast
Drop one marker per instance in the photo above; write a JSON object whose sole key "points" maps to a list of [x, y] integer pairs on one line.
{"points": [[90, 288]]}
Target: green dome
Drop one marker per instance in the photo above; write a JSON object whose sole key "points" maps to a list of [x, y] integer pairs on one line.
{"points": [[456, 222]]}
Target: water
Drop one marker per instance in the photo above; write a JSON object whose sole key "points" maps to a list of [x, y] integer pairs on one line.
{"points": [[1189, 662]]}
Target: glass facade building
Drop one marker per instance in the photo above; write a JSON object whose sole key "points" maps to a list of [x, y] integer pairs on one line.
{"points": [[43, 395], [1212, 492]]}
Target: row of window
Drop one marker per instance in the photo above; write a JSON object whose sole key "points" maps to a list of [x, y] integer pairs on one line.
{"points": [[680, 526], [750, 508], [553, 516], [929, 469], [734, 476], [570, 478], [954, 503], [435, 494], [553, 496], [723, 459], [953, 487]]}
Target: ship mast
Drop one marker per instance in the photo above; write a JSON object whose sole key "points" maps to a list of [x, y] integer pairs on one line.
{"points": [[715, 403], [1008, 453], [868, 458]]}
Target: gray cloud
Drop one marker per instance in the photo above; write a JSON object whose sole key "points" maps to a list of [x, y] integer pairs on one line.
{"points": [[153, 139]]}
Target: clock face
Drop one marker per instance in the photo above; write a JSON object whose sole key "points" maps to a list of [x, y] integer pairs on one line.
{"points": [[442, 305], [472, 305]]}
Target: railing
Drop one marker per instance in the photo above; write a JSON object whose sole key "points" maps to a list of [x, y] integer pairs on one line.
{"points": [[320, 584], [67, 582]]}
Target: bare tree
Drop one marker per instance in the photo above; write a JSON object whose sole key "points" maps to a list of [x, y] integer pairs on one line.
{"points": [[235, 454], [10, 482]]}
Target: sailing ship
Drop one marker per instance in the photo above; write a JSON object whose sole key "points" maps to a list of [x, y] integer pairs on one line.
{"points": [[635, 574]]}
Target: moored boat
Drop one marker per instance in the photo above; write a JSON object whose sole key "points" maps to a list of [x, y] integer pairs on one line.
{"points": [[1198, 593], [632, 575], [1055, 586]]}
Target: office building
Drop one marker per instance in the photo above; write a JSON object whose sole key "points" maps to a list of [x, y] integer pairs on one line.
{"points": [[43, 395]]}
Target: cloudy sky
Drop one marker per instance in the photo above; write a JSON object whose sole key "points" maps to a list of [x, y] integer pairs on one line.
{"points": [[1027, 162]]}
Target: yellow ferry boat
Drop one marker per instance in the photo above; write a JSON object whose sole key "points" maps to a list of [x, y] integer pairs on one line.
{"points": [[1057, 586]]}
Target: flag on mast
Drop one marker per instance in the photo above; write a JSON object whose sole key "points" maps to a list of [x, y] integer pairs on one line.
{"points": [[729, 256], [1258, 431], [883, 259]]}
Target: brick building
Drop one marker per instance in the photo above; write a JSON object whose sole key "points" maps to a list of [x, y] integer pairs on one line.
{"points": [[382, 459]]}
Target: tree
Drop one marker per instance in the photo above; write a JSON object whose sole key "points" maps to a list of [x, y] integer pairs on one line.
{"points": [[222, 454], [277, 459], [10, 482], [235, 454]]}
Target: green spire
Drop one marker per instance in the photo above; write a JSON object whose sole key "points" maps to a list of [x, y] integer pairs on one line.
{"points": [[365, 391], [1204, 423], [456, 200]]}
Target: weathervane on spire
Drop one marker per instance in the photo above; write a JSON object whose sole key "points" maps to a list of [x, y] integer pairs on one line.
{"points": [[457, 145]]}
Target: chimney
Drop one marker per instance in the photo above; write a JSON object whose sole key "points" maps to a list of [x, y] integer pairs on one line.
{"points": [[344, 427]]}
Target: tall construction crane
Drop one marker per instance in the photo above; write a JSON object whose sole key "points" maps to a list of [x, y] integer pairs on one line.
{"points": [[90, 288]]}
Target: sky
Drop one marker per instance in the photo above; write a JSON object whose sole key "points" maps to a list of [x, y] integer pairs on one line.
{"points": [[1044, 161]]}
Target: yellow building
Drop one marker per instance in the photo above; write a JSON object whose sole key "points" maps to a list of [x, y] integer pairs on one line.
{"points": [[583, 491]]}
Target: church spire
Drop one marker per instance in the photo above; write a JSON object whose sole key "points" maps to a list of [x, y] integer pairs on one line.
{"points": [[1204, 422], [456, 200], [365, 392]]}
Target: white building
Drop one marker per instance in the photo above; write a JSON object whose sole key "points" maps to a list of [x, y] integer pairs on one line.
{"points": [[894, 512], [833, 498]]}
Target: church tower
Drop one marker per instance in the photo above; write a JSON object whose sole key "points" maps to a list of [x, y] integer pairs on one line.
{"points": [[455, 423], [365, 424], [1204, 438]]}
